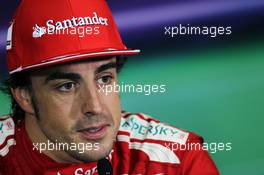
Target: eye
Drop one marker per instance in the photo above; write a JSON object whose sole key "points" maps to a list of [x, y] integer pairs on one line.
{"points": [[107, 79], [66, 87]]}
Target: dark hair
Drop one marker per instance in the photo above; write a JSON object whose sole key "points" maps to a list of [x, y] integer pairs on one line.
{"points": [[22, 80], [17, 80]]}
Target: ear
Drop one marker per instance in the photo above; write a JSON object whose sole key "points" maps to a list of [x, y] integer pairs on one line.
{"points": [[23, 98]]}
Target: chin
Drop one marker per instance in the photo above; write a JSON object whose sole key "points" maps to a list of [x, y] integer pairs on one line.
{"points": [[101, 150], [91, 156]]}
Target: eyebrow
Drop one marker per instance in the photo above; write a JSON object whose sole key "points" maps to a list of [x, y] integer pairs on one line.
{"points": [[106, 66], [74, 76], [63, 75]]}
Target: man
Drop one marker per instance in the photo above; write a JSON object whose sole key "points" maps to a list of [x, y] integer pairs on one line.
{"points": [[62, 121]]}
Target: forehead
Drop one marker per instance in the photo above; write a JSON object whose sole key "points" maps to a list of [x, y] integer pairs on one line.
{"points": [[83, 65]]}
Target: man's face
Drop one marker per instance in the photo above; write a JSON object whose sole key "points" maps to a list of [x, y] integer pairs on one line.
{"points": [[72, 109]]}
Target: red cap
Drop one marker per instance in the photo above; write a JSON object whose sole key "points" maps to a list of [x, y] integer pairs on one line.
{"points": [[48, 32]]}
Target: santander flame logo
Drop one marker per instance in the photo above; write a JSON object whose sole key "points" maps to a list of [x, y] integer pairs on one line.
{"points": [[38, 31]]}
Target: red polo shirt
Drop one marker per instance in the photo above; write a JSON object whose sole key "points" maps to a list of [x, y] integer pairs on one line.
{"points": [[143, 146]]}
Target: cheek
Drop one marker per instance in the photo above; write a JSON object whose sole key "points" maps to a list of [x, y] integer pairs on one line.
{"points": [[56, 113], [112, 103]]}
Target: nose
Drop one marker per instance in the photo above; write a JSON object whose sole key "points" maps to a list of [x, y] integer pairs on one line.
{"points": [[91, 101]]}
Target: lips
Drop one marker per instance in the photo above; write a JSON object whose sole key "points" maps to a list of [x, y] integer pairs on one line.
{"points": [[94, 132]]}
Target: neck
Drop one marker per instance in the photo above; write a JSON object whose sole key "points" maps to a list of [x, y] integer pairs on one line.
{"points": [[37, 136]]}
